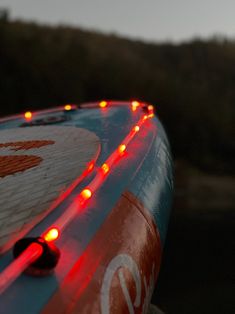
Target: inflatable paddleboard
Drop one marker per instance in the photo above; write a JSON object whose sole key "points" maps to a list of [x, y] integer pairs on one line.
{"points": [[85, 198]]}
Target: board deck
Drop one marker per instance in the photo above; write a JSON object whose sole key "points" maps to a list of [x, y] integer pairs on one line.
{"points": [[37, 166]]}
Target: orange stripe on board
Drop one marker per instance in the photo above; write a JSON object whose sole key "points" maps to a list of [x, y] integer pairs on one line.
{"points": [[12, 164], [117, 271], [25, 145]]}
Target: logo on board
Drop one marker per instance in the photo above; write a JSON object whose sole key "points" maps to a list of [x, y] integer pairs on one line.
{"points": [[143, 294]]}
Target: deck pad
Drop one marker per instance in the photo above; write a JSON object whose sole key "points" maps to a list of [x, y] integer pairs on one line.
{"points": [[37, 165]]}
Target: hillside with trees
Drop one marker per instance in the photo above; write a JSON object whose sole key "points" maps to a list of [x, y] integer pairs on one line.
{"points": [[191, 84]]}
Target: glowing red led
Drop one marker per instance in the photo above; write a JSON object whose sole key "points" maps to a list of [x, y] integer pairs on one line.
{"points": [[121, 148], [103, 104], [90, 166], [67, 107], [150, 110], [134, 105], [136, 128], [105, 168], [51, 235], [86, 194], [28, 115]]}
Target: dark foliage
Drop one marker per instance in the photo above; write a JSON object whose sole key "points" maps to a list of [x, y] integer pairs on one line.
{"points": [[191, 84]]}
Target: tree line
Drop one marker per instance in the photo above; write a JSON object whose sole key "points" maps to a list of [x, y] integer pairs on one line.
{"points": [[191, 84]]}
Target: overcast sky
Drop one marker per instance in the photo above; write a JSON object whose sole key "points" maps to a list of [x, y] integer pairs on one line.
{"points": [[147, 19]]}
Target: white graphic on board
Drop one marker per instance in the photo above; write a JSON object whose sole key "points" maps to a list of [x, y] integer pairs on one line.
{"points": [[125, 261]]}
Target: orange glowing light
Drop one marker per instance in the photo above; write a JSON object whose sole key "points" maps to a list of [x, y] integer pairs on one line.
{"points": [[151, 115], [121, 148], [90, 166], [136, 128], [28, 115], [51, 235], [135, 104], [86, 194], [145, 117], [150, 108], [103, 104], [105, 168], [67, 107]]}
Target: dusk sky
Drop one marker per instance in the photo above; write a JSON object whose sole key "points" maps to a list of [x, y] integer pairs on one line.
{"points": [[154, 20]]}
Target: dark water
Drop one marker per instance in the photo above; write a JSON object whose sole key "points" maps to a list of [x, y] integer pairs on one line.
{"points": [[197, 267]]}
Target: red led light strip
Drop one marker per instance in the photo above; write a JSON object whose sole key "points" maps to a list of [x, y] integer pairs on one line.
{"points": [[34, 251], [28, 115], [16, 268], [87, 193]]}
